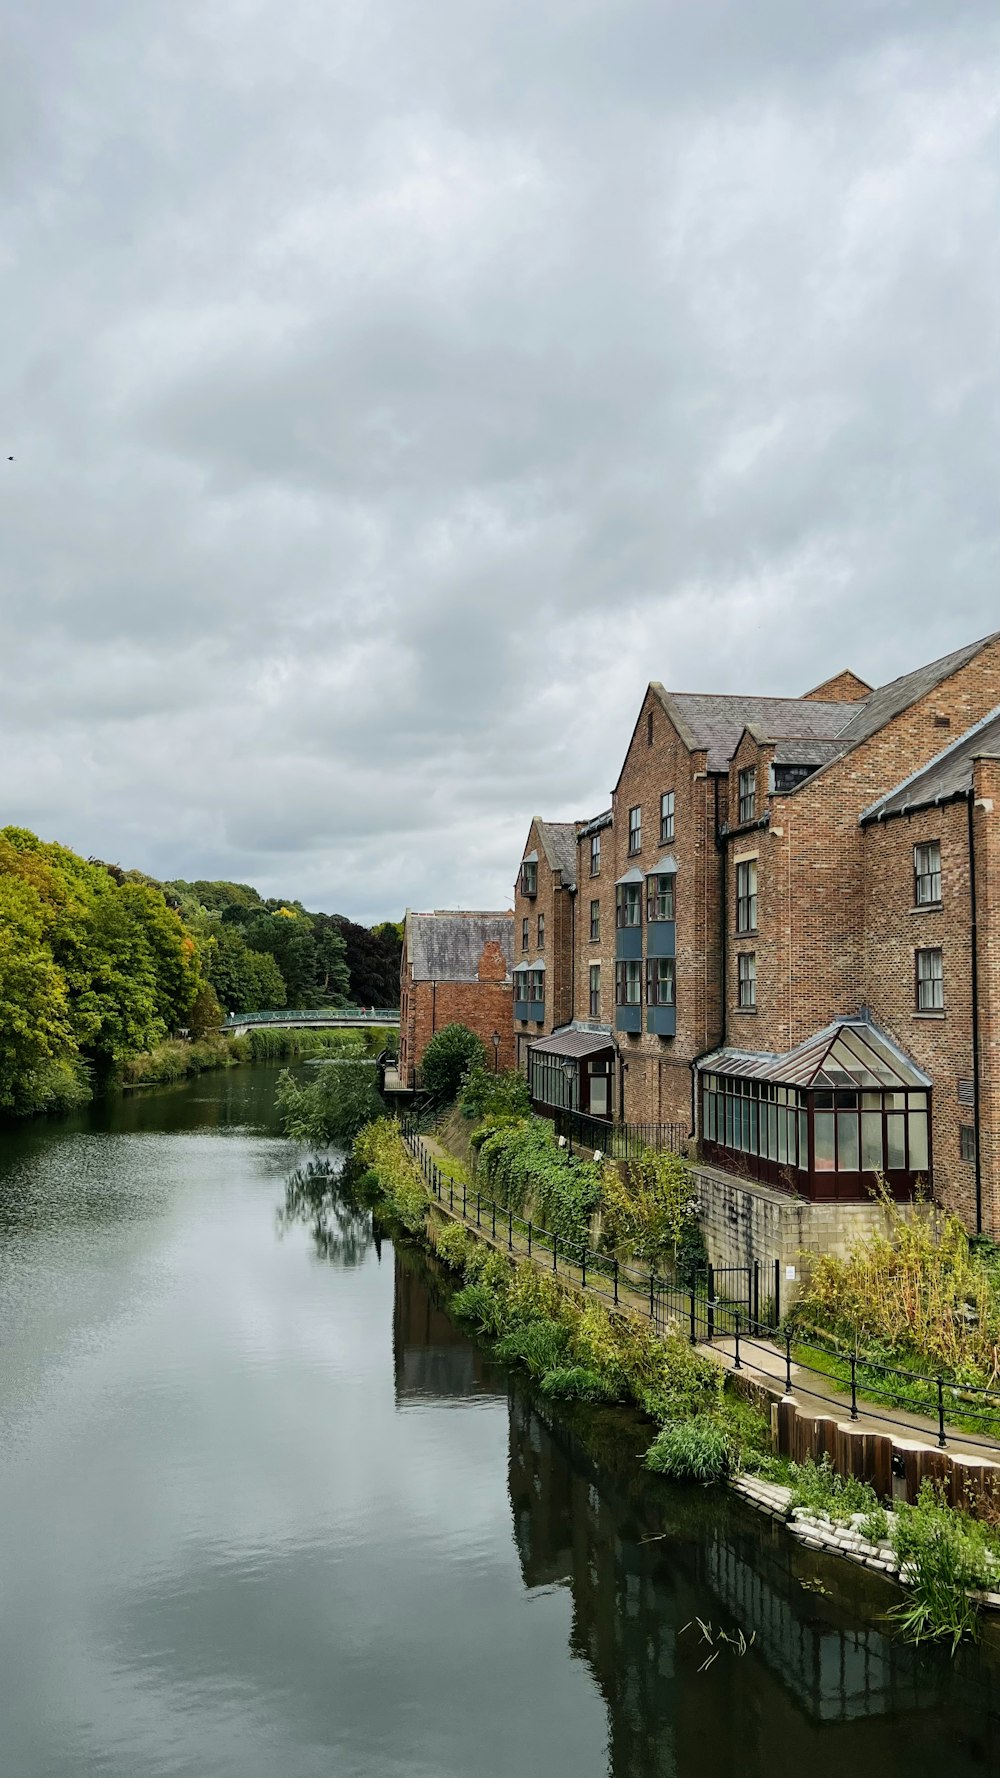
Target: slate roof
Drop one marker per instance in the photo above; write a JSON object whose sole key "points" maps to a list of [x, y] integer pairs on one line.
{"points": [[559, 845], [714, 723], [946, 776], [573, 1042], [806, 752], [850, 1052], [594, 825], [445, 946], [899, 694]]}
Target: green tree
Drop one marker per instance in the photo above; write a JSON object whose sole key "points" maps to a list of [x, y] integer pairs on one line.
{"points": [[332, 973], [34, 1021], [288, 938], [447, 1058]]}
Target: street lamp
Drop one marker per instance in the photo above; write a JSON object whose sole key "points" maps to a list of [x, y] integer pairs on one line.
{"points": [[495, 1040]]}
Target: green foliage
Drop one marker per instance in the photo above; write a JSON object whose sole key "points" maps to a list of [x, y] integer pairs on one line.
{"points": [[650, 1208], [530, 1174], [331, 1108], [451, 1053], [574, 1382], [818, 1487], [691, 1451], [919, 1296], [485, 1094], [244, 980], [481, 1305], [874, 1527], [538, 1345], [379, 1146], [451, 1244], [943, 1555]]}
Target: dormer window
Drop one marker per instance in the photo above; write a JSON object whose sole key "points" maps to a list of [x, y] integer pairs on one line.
{"points": [[748, 794], [529, 877]]}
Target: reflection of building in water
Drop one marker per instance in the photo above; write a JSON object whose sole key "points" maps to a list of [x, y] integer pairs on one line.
{"points": [[431, 1355], [809, 1689]]}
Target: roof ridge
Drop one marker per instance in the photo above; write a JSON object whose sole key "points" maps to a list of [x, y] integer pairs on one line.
{"points": [[938, 759]]}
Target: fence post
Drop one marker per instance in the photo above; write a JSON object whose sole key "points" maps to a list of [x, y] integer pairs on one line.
{"points": [[777, 1293], [510, 1231], [710, 1305], [529, 1240], [464, 1193], [652, 1287], [555, 1242], [694, 1341], [788, 1364], [451, 1193], [583, 1267], [942, 1441], [737, 1366], [616, 1281], [493, 1204], [854, 1385], [756, 1292], [478, 1207]]}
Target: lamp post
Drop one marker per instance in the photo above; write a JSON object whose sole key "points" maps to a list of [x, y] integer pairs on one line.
{"points": [[495, 1040], [569, 1069]]}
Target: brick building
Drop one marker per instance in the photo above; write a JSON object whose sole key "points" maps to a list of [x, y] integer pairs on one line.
{"points": [[455, 969], [783, 935]]}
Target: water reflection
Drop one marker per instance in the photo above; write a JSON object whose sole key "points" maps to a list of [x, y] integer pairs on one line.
{"points": [[643, 1562], [342, 1230]]}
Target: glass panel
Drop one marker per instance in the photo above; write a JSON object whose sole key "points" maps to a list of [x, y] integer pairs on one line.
{"points": [[729, 1122], [804, 1139], [917, 1101], [824, 1101], [847, 1142], [895, 1101], [895, 1131], [599, 1095], [871, 1139], [918, 1141], [772, 1132], [871, 1101], [753, 1128], [823, 1132], [782, 1134]]}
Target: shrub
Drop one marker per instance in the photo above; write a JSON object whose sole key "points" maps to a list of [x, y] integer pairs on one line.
{"points": [[538, 1345], [818, 1487], [874, 1527], [380, 1147], [494, 1096], [447, 1058], [331, 1108], [484, 1306], [527, 1171], [650, 1208], [451, 1244], [575, 1383], [943, 1555], [691, 1451]]}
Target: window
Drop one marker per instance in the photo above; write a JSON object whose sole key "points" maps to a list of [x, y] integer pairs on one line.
{"points": [[746, 895], [649, 728], [635, 829], [529, 877], [628, 904], [660, 981], [667, 815], [541, 932], [747, 966], [967, 1142], [748, 794], [595, 920], [927, 873], [628, 983], [595, 990], [595, 855], [660, 905], [524, 933], [930, 981]]}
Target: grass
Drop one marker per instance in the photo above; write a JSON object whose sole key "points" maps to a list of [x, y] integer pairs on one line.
{"points": [[910, 1392], [691, 1451]]}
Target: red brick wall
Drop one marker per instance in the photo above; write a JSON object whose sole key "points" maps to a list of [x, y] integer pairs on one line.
{"points": [[555, 901], [600, 888], [843, 688], [484, 1007]]}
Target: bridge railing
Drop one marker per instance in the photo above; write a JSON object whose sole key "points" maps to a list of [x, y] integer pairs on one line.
{"points": [[368, 1015]]}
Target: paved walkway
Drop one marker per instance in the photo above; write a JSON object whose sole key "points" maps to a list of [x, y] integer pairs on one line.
{"points": [[816, 1394]]}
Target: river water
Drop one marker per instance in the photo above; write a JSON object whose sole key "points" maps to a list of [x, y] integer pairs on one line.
{"points": [[265, 1512]]}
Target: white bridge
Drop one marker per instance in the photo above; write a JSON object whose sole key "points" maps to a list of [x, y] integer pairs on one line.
{"points": [[344, 1018]]}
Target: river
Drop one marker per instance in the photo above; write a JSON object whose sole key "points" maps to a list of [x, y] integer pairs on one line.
{"points": [[265, 1512]]}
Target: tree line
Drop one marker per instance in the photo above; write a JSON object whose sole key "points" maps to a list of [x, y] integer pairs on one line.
{"points": [[99, 964]]}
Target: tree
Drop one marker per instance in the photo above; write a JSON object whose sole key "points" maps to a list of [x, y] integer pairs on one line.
{"points": [[34, 1022], [288, 938], [332, 973], [206, 1013], [447, 1058]]}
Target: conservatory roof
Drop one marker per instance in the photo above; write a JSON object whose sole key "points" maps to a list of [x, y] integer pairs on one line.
{"points": [[574, 1043], [852, 1053]]}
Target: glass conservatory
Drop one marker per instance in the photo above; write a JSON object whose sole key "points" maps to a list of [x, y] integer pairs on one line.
{"points": [[823, 1119]]}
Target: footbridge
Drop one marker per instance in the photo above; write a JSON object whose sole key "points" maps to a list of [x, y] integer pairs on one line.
{"points": [[345, 1018]]}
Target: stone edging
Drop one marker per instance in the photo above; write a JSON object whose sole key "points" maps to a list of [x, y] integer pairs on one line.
{"points": [[815, 1532]]}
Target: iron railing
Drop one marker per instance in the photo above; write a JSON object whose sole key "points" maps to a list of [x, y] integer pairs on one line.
{"points": [[705, 1313], [619, 1141], [357, 1014]]}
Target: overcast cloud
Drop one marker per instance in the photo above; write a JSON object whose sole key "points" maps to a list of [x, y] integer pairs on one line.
{"points": [[395, 387]]}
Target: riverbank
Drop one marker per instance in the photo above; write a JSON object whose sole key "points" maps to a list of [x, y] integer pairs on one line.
{"points": [[714, 1424]]}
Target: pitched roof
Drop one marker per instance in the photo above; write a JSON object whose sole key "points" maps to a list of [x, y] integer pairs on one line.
{"points": [[946, 776], [809, 752], [899, 694], [558, 840], [445, 946], [714, 723], [594, 825], [850, 1053]]}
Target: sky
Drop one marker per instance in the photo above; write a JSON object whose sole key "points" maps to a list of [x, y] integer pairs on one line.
{"points": [[394, 388]]}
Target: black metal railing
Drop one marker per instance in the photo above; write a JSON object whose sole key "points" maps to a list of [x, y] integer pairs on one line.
{"points": [[618, 1141], [705, 1312]]}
